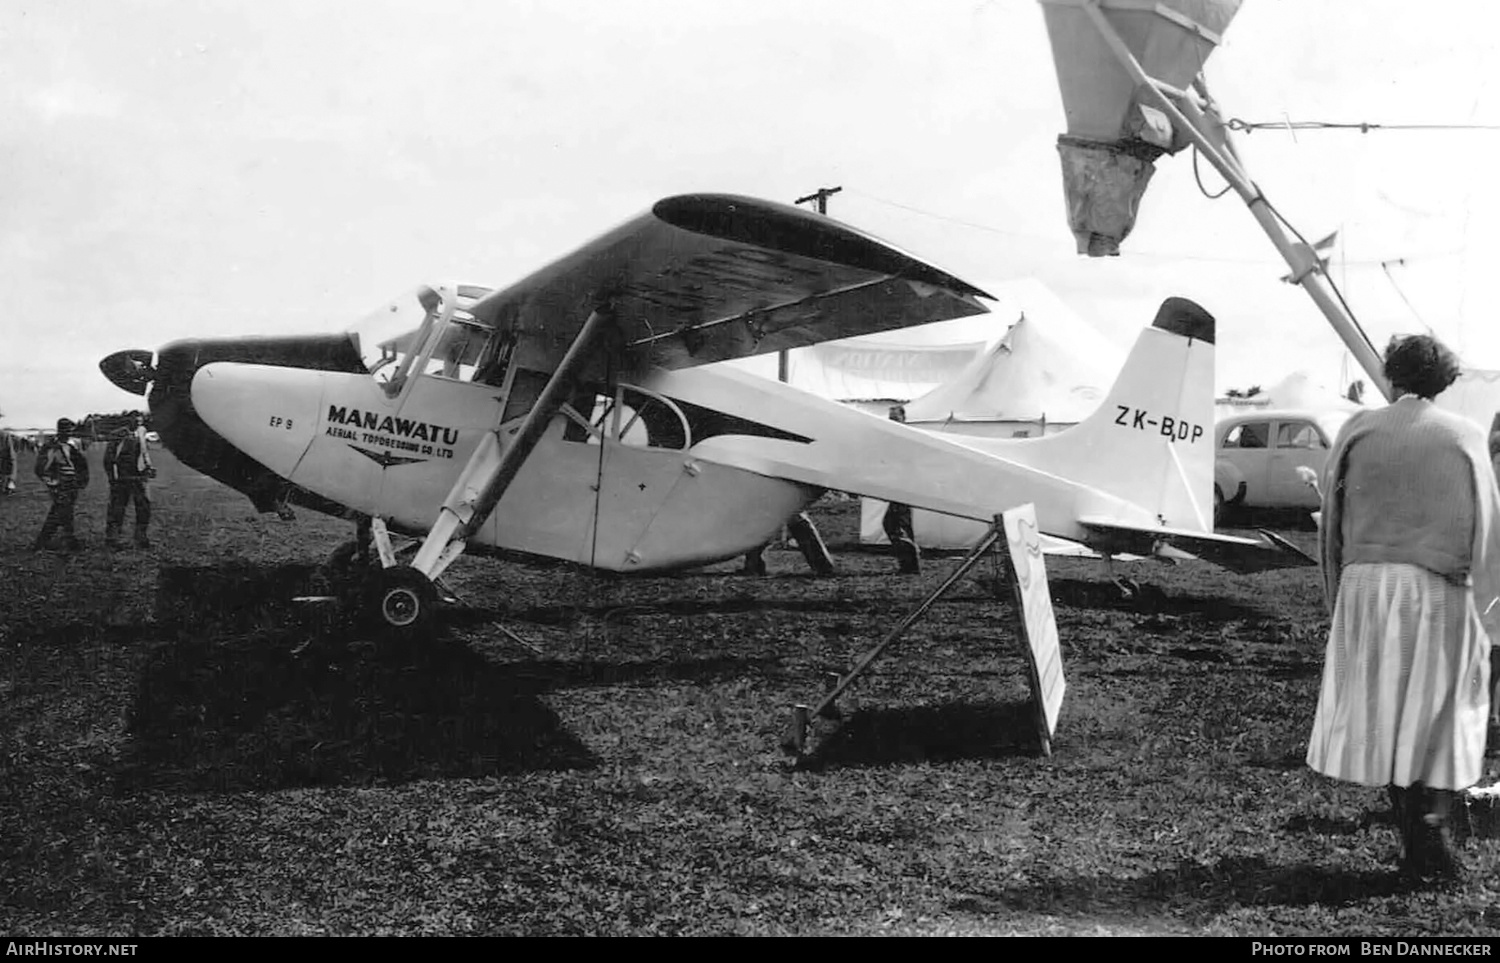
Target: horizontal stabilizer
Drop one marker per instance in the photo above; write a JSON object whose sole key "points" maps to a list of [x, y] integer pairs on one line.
{"points": [[1241, 555]]}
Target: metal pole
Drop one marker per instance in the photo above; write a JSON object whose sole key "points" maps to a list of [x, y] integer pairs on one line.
{"points": [[996, 532], [821, 196], [1306, 268]]}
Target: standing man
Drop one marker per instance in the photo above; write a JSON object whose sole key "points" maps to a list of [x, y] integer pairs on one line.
{"points": [[127, 465], [7, 463], [65, 472], [897, 523]]}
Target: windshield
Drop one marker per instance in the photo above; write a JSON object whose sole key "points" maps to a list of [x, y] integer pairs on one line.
{"points": [[428, 330]]}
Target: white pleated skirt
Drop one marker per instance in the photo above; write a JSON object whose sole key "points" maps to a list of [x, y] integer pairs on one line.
{"points": [[1405, 694]]}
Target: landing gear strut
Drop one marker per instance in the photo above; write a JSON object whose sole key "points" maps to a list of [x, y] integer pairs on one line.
{"points": [[406, 595]]}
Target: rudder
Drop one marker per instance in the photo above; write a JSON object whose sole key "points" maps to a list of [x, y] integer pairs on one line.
{"points": [[1151, 441]]}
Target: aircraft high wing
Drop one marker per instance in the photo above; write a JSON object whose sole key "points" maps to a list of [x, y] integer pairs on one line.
{"points": [[705, 277], [569, 415]]}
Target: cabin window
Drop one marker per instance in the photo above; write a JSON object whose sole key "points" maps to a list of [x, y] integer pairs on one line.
{"points": [[631, 416], [1251, 434], [1299, 434]]}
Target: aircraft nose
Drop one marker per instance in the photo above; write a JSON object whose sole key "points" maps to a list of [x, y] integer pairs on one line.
{"points": [[130, 370]]}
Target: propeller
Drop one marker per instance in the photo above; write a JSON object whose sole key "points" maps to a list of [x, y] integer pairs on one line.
{"points": [[131, 370]]}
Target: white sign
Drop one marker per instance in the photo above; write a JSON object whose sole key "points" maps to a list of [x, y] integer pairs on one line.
{"points": [[1038, 626]]}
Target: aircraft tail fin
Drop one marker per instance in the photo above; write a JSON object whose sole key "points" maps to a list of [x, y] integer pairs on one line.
{"points": [[1151, 442]]}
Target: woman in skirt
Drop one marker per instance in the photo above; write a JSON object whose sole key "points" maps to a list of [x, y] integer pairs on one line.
{"points": [[1410, 538]]}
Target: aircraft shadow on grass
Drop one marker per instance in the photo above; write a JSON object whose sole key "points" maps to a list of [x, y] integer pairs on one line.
{"points": [[1229, 882], [616, 612], [252, 691], [247, 694], [943, 732], [1081, 594]]}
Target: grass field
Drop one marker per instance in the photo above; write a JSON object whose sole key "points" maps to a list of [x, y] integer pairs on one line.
{"points": [[184, 751]]}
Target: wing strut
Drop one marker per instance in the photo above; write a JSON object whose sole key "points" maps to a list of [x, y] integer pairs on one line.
{"points": [[492, 467]]}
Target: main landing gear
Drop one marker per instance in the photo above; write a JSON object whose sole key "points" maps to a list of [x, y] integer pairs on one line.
{"points": [[402, 600], [368, 578]]}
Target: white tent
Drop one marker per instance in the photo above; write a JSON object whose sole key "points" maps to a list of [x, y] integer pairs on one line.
{"points": [[879, 370], [1475, 395], [1297, 390], [1029, 362], [1049, 371]]}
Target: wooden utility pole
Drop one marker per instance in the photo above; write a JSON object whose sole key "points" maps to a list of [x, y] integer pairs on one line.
{"points": [[821, 195]]}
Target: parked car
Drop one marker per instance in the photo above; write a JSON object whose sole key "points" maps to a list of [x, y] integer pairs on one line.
{"points": [[1259, 454]]}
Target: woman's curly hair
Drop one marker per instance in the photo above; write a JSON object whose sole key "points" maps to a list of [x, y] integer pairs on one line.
{"points": [[1419, 364]]}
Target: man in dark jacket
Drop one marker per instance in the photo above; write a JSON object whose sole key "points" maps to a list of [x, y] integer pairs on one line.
{"points": [[7, 463], [65, 472], [898, 524], [127, 465]]}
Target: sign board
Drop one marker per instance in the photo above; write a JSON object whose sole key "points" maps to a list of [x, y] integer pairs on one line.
{"points": [[1028, 577]]}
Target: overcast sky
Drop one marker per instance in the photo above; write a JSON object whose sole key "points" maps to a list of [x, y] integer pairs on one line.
{"points": [[177, 169]]}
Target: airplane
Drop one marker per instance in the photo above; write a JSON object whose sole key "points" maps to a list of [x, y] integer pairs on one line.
{"points": [[573, 415]]}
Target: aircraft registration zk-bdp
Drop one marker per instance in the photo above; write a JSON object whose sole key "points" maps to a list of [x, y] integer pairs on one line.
{"points": [[570, 415]]}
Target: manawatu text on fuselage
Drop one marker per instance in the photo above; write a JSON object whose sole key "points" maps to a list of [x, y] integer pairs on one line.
{"points": [[391, 425]]}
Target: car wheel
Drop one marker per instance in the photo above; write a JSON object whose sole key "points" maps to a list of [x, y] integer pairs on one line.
{"points": [[1218, 505]]}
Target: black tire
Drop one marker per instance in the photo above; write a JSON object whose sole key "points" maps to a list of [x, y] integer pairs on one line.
{"points": [[402, 603], [1218, 506]]}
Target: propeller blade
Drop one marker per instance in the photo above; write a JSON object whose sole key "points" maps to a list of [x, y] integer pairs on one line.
{"points": [[130, 370]]}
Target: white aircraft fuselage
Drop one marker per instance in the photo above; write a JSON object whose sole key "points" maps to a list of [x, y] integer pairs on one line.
{"points": [[595, 500], [613, 497]]}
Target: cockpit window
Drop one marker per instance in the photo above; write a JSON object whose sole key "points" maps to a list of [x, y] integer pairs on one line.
{"points": [[426, 331], [379, 332]]}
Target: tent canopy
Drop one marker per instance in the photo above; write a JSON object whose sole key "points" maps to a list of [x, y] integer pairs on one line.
{"points": [[894, 366], [1298, 390], [989, 367], [1475, 395], [1050, 367]]}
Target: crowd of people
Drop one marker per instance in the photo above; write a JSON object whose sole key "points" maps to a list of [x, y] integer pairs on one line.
{"points": [[63, 469]]}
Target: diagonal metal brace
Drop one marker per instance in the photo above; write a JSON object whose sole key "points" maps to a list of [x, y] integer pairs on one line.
{"points": [[493, 467], [796, 739]]}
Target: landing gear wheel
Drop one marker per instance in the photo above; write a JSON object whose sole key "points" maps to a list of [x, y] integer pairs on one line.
{"points": [[402, 602]]}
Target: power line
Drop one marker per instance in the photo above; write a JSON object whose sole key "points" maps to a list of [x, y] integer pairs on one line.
{"points": [[1386, 267], [975, 225], [1364, 127]]}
